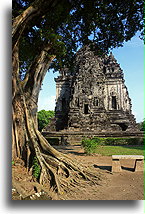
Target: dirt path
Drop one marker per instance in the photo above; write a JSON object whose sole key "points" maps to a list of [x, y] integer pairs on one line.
{"points": [[127, 185]]}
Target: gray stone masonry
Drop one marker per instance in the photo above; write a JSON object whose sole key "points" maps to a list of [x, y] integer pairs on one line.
{"points": [[94, 97]]}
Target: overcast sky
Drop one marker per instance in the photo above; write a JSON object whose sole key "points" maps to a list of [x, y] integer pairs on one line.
{"points": [[130, 58]]}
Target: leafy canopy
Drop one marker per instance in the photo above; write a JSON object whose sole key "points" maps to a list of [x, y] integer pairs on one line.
{"points": [[71, 24], [44, 118], [142, 125]]}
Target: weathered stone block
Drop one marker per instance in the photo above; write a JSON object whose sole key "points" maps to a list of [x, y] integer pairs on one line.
{"points": [[139, 165], [93, 97], [116, 167]]}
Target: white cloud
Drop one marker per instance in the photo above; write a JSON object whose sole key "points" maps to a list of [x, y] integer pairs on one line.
{"points": [[46, 103]]}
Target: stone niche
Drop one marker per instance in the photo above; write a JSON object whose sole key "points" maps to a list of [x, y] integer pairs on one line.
{"points": [[94, 97]]}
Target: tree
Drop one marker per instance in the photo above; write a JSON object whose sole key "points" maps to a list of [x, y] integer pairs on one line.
{"points": [[51, 31], [44, 118], [141, 125]]}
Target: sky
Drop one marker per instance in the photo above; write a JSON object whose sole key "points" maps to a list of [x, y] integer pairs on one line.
{"points": [[46, 96], [130, 58]]}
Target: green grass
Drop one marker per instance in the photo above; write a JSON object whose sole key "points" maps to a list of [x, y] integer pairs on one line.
{"points": [[120, 150]]}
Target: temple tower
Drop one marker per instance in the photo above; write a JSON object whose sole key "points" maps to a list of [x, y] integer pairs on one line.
{"points": [[94, 97]]}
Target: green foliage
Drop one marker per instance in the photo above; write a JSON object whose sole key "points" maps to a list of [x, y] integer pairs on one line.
{"points": [[44, 118], [121, 141], [13, 162], [89, 145], [92, 145], [142, 125], [69, 25], [36, 168]]}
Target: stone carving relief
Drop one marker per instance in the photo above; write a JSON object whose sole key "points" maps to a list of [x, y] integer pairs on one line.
{"points": [[94, 85]]}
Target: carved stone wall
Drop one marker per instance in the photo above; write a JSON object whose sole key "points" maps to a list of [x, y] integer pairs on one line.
{"points": [[94, 97]]}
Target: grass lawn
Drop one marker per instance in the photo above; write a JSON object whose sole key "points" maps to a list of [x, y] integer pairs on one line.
{"points": [[120, 150]]}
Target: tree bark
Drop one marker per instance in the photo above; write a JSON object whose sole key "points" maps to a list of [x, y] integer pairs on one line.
{"points": [[34, 77], [58, 171], [35, 11]]}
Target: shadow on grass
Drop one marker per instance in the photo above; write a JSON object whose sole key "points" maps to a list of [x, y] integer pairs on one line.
{"points": [[140, 147]]}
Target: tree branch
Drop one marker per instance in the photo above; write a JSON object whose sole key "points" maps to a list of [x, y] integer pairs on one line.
{"points": [[37, 71], [33, 80], [37, 9]]}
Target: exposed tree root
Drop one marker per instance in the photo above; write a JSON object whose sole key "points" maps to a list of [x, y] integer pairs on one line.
{"points": [[56, 177], [61, 172], [58, 171]]}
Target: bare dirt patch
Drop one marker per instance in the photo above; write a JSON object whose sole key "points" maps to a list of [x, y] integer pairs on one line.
{"points": [[127, 185]]}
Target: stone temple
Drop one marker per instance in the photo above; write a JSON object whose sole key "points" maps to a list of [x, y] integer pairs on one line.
{"points": [[94, 97]]}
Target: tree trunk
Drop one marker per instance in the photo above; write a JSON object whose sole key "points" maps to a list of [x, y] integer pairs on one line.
{"points": [[57, 170]]}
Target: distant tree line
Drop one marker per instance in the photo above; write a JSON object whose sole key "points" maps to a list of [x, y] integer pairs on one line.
{"points": [[44, 118], [141, 125]]}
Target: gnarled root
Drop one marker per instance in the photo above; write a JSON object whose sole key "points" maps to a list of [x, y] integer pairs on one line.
{"points": [[58, 171]]}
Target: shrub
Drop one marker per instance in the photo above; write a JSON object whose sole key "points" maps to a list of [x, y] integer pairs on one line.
{"points": [[36, 168], [44, 118], [123, 141], [89, 145], [116, 141], [13, 162], [100, 141], [141, 125]]}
